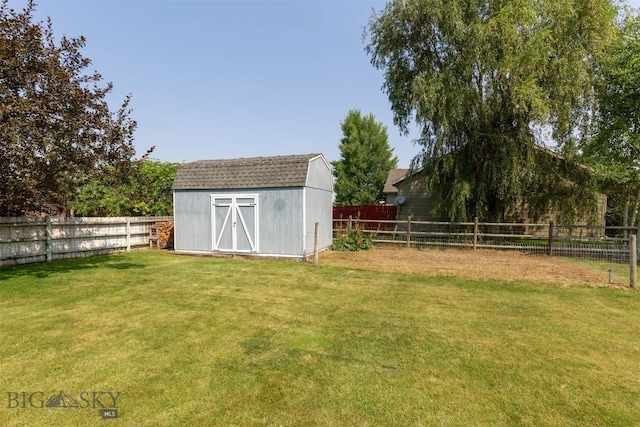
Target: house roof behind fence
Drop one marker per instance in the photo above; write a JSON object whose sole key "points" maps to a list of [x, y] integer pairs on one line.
{"points": [[244, 173], [394, 175]]}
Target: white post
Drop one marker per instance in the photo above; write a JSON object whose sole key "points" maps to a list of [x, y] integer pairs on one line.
{"points": [[475, 233], [633, 262], [49, 236], [315, 243], [128, 235]]}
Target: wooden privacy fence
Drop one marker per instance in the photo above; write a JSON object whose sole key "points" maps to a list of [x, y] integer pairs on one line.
{"points": [[29, 240], [365, 212]]}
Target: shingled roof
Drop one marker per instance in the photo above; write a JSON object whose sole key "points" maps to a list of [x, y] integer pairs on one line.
{"points": [[394, 175], [250, 172]]}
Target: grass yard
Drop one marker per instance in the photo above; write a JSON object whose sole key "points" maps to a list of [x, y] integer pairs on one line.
{"points": [[209, 341]]}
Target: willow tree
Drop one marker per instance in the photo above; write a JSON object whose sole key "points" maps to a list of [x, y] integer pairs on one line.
{"points": [[488, 82]]}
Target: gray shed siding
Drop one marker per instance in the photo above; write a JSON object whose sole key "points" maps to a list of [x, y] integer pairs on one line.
{"points": [[280, 220], [293, 193], [319, 175], [192, 223], [318, 195], [316, 201]]}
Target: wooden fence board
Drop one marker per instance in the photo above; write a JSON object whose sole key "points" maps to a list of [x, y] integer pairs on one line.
{"points": [[26, 240]]}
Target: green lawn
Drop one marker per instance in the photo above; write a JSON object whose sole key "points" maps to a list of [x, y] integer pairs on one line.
{"points": [[205, 341]]}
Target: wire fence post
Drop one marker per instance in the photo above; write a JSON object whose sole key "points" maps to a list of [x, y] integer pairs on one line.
{"points": [[633, 262], [475, 233], [550, 249], [409, 231], [49, 234]]}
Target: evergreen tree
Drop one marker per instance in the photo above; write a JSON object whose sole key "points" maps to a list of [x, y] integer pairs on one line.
{"points": [[365, 161]]}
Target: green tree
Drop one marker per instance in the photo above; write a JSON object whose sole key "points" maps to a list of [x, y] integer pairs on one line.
{"points": [[155, 193], [614, 149], [486, 81], [365, 161], [55, 124], [145, 190], [106, 194]]}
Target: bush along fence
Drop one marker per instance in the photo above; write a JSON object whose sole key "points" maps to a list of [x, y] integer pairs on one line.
{"points": [[29, 240], [612, 244]]}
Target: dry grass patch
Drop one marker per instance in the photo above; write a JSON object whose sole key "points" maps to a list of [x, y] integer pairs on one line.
{"points": [[478, 264]]}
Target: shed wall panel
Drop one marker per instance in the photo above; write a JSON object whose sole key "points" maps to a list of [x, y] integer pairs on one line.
{"points": [[319, 175], [192, 223], [318, 209], [281, 221]]}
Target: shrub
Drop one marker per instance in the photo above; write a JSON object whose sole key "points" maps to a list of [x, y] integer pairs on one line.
{"points": [[351, 239]]}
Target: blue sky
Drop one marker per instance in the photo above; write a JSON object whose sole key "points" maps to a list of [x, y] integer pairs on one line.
{"points": [[224, 79]]}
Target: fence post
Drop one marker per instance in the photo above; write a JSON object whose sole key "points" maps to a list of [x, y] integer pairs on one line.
{"points": [[128, 235], [49, 234], [315, 243], [475, 232], [550, 249], [633, 262], [349, 225], [409, 231]]}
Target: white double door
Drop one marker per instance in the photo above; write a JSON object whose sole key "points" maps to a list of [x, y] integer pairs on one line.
{"points": [[235, 223]]}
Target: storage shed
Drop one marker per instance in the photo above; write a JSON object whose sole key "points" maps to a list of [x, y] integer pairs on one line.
{"points": [[260, 206]]}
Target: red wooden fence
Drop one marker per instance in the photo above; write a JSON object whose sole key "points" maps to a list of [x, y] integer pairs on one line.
{"points": [[368, 212]]}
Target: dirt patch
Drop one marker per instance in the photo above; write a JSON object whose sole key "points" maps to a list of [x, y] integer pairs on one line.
{"points": [[478, 264]]}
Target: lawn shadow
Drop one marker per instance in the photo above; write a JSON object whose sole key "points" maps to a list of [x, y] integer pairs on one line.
{"points": [[46, 269]]}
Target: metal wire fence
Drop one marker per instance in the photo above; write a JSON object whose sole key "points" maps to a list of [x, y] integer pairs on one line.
{"points": [[609, 244]]}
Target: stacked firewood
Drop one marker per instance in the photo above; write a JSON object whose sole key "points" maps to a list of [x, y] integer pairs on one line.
{"points": [[165, 234]]}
